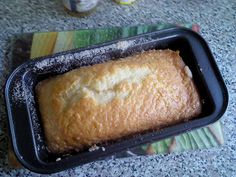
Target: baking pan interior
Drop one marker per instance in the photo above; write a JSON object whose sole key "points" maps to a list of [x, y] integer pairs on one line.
{"points": [[179, 44], [33, 72]]}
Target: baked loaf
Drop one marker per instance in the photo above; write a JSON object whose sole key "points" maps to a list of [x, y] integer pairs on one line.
{"points": [[111, 100]]}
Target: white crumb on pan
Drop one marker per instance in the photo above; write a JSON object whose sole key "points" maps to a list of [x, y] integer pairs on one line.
{"points": [[58, 159], [188, 72], [203, 101], [93, 148]]}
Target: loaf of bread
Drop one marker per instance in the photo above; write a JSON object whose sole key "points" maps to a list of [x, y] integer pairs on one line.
{"points": [[111, 100]]}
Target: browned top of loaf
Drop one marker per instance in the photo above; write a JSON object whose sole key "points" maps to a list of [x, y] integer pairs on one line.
{"points": [[110, 100]]}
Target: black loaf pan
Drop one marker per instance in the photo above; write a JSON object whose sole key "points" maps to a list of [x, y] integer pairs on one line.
{"points": [[24, 118]]}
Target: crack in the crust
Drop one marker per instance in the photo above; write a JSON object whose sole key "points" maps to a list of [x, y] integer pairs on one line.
{"points": [[107, 88]]}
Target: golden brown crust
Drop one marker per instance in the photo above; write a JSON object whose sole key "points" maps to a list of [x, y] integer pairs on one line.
{"points": [[110, 100]]}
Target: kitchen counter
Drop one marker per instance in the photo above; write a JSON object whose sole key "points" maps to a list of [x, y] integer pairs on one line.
{"points": [[218, 26]]}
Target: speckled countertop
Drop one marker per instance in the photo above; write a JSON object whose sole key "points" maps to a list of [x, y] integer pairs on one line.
{"points": [[217, 19]]}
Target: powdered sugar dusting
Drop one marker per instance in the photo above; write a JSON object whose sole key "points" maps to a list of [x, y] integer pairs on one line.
{"points": [[22, 92], [64, 62], [123, 45], [18, 93]]}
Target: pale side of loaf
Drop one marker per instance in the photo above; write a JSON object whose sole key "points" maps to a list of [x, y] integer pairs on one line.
{"points": [[111, 100]]}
